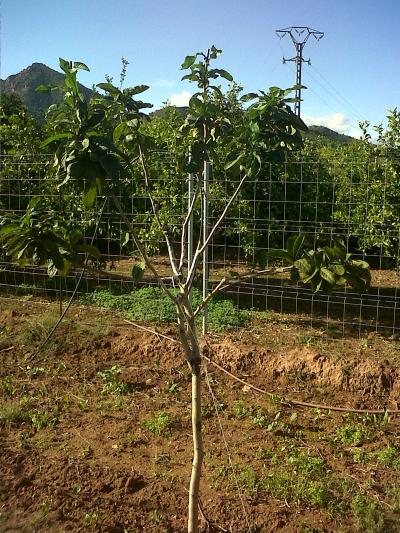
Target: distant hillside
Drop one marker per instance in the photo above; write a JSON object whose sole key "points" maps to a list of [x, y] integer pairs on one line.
{"points": [[327, 133], [24, 85]]}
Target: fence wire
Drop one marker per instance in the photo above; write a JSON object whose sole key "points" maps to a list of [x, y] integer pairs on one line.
{"points": [[356, 202]]}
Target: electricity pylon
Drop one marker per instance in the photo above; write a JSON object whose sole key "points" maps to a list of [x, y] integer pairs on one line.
{"points": [[299, 36]]}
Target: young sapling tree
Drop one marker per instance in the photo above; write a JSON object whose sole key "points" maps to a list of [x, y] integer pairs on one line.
{"points": [[98, 143]]}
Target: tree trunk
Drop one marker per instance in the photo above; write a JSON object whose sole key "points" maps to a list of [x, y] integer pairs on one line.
{"points": [[194, 490]]}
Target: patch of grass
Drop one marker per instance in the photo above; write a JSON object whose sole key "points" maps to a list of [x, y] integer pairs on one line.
{"points": [[14, 414], [296, 477], [37, 332], [353, 434], [160, 423], [43, 418], [92, 519], [269, 422], [368, 514], [8, 388], [152, 305], [389, 456], [393, 493]]}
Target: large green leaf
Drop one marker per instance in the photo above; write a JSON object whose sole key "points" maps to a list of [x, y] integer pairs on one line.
{"points": [[223, 73], [89, 197], [188, 62], [56, 137], [328, 275]]}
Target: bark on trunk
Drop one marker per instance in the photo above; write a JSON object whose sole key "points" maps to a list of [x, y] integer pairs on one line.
{"points": [[194, 490]]}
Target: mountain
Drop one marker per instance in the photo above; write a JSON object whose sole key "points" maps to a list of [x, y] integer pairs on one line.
{"points": [[24, 85], [330, 135]]}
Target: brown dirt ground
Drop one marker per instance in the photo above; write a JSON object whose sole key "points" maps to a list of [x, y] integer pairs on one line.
{"points": [[78, 455]]}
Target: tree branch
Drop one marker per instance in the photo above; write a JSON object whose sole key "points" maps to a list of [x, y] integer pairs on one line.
{"points": [[200, 249], [225, 283], [155, 211], [141, 249]]}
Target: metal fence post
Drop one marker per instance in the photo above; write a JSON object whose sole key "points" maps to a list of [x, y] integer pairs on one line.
{"points": [[206, 178], [190, 227]]}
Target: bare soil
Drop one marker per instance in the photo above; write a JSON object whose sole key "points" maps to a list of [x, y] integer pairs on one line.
{"points": [[86, 448]]}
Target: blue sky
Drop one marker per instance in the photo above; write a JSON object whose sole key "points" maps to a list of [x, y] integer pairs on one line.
{"points": [[354, 75]]}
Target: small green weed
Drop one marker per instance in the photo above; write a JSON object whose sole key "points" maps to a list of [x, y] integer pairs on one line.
{"points": [[91, 519], [173, 388], [43, 418], [8, 388], [160, 423], [267, 422], [352, 434], [368, 514], [241, 410], [113, 384]]}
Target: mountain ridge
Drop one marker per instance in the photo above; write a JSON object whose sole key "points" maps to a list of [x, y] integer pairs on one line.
{"points": [[24, 85]]}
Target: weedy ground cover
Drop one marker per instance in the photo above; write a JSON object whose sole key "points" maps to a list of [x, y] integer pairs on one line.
{"points": [[96, 432]]}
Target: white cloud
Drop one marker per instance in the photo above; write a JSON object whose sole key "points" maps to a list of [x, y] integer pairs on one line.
{"points": [[181, 99], [335, 121]]}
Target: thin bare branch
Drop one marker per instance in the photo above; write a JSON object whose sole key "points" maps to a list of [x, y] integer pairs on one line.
{"points": [[226, 282], [141, 249], [207, 241], [157, 217]]}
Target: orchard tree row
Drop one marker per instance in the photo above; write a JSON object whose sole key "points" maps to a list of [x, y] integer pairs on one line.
{"points": [[296, 182]]}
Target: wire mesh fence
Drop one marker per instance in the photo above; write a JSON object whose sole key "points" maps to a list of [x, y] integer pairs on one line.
{"points": [[356, 202]]}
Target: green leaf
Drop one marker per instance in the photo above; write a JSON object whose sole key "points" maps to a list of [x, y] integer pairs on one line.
{"points": [[215, 52], [188, 62], [119, 130], [89, 197], [90, 250], [328, 276], [56, 137], [81, 66], [294, 245], [136, 90], [109, 88], [338, 269], [234, 163], [304, 265], [278, 253], [126, 239], [224, 74]]}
